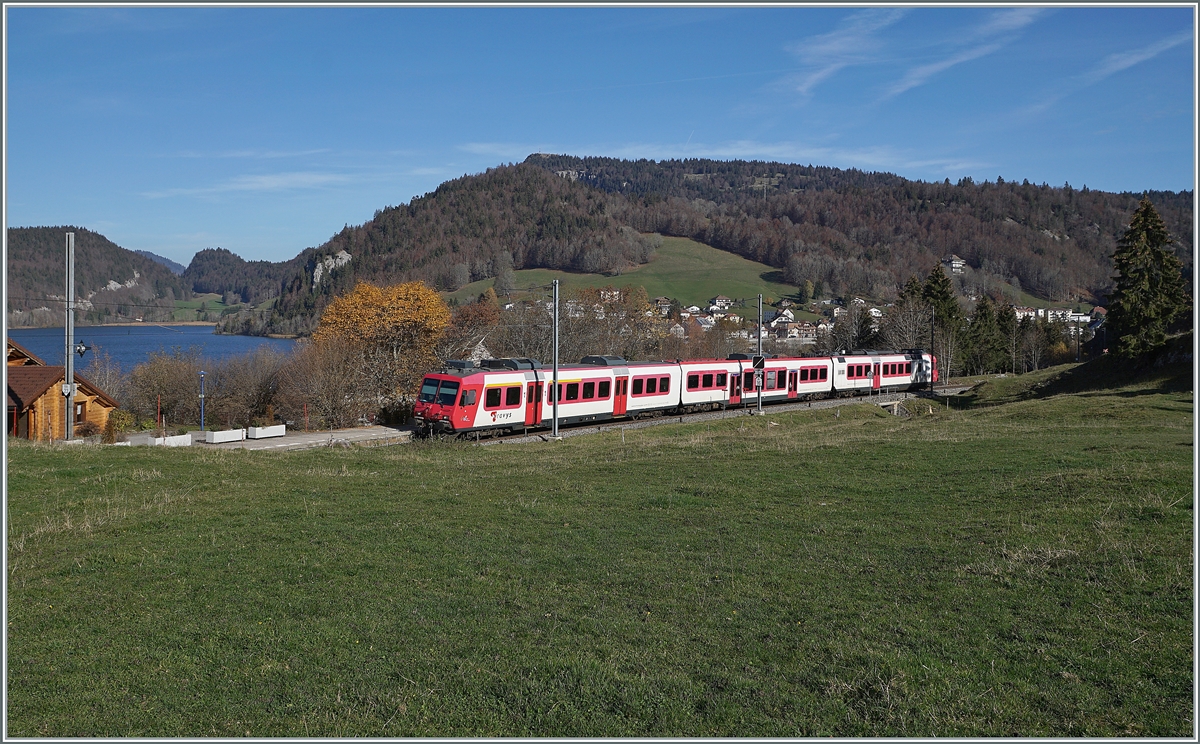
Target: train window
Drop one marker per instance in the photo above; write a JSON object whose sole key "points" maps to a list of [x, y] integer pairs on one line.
{"points": [[637, 387], [572, 391], [651, 386], [804, 375], [770, 379], [492, 398], [824, 374], [720, 380], [589, 390], [693, 382], [468, 398], [707, 382], [664, 384], [512, 396], [908, 368], [428, 390], [447, 393], [604, 387], [748, 382]]}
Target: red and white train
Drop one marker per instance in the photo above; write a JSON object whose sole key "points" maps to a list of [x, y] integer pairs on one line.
{"points": [[508, 395]]}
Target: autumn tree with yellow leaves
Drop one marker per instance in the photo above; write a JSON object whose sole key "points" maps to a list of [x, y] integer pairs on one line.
{"points": [[395, 332]]}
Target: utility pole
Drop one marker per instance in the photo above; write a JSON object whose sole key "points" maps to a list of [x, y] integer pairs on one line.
{"points": [[68, 388], [554, 383], [759, 375], [932, 320]]}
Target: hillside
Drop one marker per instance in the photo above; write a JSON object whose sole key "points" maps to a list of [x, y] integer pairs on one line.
{"points": [[111, 283], [175, 268], [681, 268], [471, 228], [863, 233], [847, 231]]}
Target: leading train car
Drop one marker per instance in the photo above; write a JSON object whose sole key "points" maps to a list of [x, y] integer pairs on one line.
{"points": [[463, 398]]}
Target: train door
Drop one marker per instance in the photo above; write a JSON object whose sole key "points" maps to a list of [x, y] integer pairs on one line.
{"points": [[875, 377], [792, 382], [735, 388], [620, 391], [533, 406]]}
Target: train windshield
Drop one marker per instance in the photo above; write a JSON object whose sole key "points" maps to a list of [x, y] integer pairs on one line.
{"points": [[447, 393], [428, 390]]}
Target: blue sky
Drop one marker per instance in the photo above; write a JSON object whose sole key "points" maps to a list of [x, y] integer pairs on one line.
{"points": [[265, 130]]}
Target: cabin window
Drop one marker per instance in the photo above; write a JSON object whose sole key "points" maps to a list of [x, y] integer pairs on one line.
{"points": [[572, 391], [491, 398], [468, 398], [589, 390], [652, 386], [693, 382], [428, 390], [637, 386], [707, 382], [720, 381], [664, 384], [605, 385], [447, 393]]}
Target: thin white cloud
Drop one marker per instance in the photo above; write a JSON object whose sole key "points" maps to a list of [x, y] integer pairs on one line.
{"points": [[993, 34], [919, 75], [855, 42], [1109, 66], [1115, 63], [257, 183], [1007, 21]]}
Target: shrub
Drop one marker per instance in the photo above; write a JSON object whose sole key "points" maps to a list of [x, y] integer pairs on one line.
{"points": [[87, 429]]}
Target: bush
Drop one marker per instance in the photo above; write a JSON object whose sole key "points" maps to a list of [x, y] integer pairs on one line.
{"points": [[121, 420], [110, 432], [87, 429]]}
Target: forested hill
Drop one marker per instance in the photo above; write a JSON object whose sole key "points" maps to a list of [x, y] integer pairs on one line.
{"points": [[219, 270], [471, 228], [109, 280], [864, 232]]}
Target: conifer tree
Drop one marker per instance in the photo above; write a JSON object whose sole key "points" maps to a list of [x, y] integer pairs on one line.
{"points": [[1149, 290]]}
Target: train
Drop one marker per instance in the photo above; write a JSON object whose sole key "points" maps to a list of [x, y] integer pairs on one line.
{"points": [[504, 396]]}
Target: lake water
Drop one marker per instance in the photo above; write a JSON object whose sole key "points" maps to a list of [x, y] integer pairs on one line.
{"points": [[132, 345]]}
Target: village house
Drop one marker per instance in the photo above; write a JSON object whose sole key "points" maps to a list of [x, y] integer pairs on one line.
{"points": [[954, 265], [36, 405], [722, 302], [663, 304]]}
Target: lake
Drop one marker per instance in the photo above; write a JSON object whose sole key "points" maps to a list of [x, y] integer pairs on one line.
{"points": [[131, 345]]}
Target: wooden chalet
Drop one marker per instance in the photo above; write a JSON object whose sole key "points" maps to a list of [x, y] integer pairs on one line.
{"points": [[36, 406]]}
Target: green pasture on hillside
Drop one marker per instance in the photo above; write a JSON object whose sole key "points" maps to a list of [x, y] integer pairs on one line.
{"points": [[1012, 569], [691, 272]]}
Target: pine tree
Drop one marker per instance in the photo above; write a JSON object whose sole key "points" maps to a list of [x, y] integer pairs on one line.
{"points": [[1149, 290]]}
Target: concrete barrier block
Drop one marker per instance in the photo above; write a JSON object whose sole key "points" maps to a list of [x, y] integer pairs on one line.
{"points": [[228, 435], [265, 432]]}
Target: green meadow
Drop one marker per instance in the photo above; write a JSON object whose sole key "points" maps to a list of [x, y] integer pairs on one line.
{"points": [[690, 272], [1018, 564]]}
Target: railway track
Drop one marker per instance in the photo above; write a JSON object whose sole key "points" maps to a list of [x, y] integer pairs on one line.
{"points": [[577, 430]]}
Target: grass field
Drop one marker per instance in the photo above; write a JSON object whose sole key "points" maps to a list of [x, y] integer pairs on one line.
{"points": [[1008, 568], [691, 272]]}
